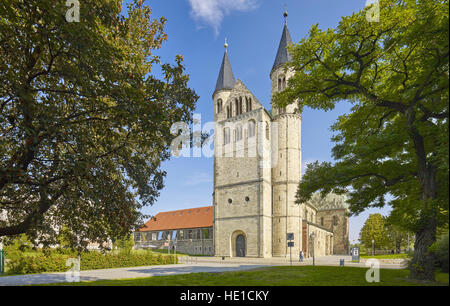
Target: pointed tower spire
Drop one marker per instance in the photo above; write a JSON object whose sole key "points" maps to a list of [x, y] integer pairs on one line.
{"points": [[225, 80], [283, 55]]}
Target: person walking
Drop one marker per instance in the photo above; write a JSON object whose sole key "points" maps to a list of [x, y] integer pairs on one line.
{"points": [[302, 255]]}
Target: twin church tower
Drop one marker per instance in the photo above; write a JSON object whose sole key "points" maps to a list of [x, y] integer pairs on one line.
{"points": [[257, 166]]}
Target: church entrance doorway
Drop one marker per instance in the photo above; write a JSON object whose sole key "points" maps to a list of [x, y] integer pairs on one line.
{"points": [[240, 246]]}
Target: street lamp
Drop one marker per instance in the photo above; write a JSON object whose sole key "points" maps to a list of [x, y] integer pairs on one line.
{"points": [[373, 247], [313, 235]]}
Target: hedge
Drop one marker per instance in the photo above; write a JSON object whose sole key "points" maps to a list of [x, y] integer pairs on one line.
{"points": [[55, 262]]}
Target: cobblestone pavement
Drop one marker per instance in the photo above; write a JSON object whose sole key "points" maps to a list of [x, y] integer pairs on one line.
{"points": [[188, 265]]}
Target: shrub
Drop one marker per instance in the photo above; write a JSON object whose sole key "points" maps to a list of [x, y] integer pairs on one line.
{"points": [[56, 262], [38, 263], [440, 250]]}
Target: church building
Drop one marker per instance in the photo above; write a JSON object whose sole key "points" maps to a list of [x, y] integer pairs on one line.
{"points": [[257, 170]]}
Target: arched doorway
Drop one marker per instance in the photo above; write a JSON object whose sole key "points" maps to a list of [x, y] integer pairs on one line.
{"points": [[240, 246]]}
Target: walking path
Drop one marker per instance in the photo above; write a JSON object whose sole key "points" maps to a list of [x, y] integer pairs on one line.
{"points": [[134, 272], [188, 265]]}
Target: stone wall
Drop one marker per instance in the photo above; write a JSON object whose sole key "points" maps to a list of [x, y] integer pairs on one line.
{"points": [[337, 220]]}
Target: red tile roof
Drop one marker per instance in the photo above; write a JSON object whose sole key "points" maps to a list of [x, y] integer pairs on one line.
{"points": [[180, 219]]}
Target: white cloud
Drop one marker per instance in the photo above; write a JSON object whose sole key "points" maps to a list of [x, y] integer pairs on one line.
{"points": [[212, 12], [198, 178]]}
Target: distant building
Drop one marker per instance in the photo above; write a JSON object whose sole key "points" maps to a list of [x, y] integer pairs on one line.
{"points": [[191, 228]]}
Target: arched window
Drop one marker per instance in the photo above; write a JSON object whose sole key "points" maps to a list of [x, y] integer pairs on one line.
{"points": [[239, 132], [236, 104], [229, 111], [279, 84], [240, 105], [219, 105], [249, 104], [251, 128], [226, 136], [284, 83]]}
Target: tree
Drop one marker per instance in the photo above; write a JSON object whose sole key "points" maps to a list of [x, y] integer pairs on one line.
{"points": [[397, 237], [395, 139], [125, 244], [374, 229], [84, 123]]}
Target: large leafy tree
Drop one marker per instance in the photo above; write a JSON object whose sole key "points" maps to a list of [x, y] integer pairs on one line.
{"points": [[84, 122], [394, 141], [374, 229]]}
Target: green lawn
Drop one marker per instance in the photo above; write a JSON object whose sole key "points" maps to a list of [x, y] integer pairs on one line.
{"points": [[277, 276]]}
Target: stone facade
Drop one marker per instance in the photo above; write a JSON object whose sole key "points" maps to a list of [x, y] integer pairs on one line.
{"points": [[257, 169], [189, 241]]}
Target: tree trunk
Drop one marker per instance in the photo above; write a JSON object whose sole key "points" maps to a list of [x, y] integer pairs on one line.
{"points": [[422, 265]]}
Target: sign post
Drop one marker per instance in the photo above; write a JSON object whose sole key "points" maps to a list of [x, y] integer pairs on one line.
{"points": [[355, 254], [2, 261], [175, 250], [290, 237]]}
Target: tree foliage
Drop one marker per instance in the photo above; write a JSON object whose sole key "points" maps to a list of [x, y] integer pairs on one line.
{"points": [[84, 121], [374, 229], [395, 139]]}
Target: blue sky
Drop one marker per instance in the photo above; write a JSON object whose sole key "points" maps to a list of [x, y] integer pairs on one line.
{"points": [[197, 29]]}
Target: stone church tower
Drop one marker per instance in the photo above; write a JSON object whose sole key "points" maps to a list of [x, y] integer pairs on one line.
{"points": [[257, 169], [287, 170]]}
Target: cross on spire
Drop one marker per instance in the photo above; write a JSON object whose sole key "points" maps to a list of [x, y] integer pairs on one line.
{"points": [[285, 14]]}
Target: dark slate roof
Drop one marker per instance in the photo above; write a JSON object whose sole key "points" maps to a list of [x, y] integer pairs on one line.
{"points": [[225, 80], [283, 55]]}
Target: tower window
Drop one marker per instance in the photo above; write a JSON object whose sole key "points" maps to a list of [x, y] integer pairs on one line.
{"points": [[230, 201], [226, 136], [229, 111], [335, 220], [239, 133], [219, 105], [240, 105], [247, 199], [248, 104], [251, 128]]}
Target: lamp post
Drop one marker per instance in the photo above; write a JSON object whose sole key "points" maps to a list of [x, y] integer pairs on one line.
{"points": [[373, 247], [313, 235]]}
